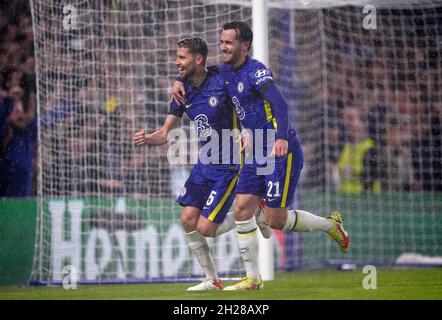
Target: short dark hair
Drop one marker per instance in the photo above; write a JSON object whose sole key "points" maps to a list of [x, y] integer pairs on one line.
{"points": [[243, 30], [195, 45]]}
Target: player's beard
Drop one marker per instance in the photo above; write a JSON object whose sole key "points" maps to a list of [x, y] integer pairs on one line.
{"points": [[190, 72], [233, 57]]}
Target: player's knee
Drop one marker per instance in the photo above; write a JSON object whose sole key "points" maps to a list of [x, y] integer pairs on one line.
{"points": [[188, 221], [242, 213], [206, 230], [275, 220]]}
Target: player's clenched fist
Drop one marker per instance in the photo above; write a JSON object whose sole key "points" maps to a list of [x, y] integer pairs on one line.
{"points": [[140, 137], [280, 148]]}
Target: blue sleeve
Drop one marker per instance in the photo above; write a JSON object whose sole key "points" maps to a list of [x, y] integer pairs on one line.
{"points": [[279, 109], [176, 109], [58, 114], [260, 76]]}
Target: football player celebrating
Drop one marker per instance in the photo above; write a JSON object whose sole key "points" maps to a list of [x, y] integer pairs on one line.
{"points": [[210, 189], [262, 108]]}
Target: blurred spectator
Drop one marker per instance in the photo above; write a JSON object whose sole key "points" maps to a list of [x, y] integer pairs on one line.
{"points": [[357, 163], [18, 134], [88, 168], [377, 122], [395, 160], [333, 150], [96, 81], [18, 122], [427, 151]]}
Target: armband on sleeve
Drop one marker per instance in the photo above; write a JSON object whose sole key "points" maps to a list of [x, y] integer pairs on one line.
{"points": [[176, 112]]}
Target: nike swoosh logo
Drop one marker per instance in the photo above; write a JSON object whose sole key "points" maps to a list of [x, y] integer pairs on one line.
{"points": [[188, 106], [273, 199]]}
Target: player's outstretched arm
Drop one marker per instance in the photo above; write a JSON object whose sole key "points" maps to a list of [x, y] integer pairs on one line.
{"points": [[158, 137]]}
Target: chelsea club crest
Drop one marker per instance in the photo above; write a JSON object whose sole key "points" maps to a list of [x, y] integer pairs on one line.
{"points": [[213, 101]]}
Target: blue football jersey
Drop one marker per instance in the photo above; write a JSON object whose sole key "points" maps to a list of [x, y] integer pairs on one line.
{"points": [[243, 86], [210, 108], [276, 185]]}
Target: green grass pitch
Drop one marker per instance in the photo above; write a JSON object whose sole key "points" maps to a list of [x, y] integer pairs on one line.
{"points": [[323, 284]]}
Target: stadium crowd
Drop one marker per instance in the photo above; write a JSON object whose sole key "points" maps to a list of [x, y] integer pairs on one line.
{"points": [[368, 108], [382, 106], [18, 124]]}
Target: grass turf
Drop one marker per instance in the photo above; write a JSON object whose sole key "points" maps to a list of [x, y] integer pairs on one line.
{"points": [[324, 284]]}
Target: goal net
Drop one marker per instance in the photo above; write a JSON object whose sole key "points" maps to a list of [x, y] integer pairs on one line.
{"points": [[104, 70], [369, 116]]}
